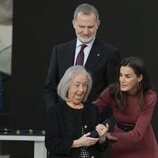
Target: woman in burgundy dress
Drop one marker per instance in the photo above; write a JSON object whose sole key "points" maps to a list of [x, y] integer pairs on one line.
{"points": [[133, 102]]}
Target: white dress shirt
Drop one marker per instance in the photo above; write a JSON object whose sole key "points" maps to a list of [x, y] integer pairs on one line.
{"points": [[86, 50]]}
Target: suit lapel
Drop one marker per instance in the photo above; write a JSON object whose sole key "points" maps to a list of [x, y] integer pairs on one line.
{"points": [[69, 55], [95, 55]]}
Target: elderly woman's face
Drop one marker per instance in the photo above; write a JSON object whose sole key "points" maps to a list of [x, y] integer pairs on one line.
{"points": [[78, 89]]}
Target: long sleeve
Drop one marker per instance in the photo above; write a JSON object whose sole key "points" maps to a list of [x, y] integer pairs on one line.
{"points": [[55, 141], [142, 122], [50, 86], [103, 100]]}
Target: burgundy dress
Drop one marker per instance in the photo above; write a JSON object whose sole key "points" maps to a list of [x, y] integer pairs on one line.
{"points": [[139, 142]]}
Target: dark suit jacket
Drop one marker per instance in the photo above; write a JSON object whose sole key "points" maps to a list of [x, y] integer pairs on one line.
{"points": [[64, 126], [101, 63]]}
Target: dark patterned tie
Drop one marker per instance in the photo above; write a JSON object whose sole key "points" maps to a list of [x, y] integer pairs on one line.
{"points": [[80, 56]]}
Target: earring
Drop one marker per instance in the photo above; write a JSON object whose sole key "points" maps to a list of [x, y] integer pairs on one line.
{"points": [[138, 85]]}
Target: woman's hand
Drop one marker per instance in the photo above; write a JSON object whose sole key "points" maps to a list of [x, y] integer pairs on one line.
{"points": [[111, 138], [84, 141]]}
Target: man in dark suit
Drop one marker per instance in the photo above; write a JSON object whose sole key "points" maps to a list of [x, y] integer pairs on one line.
{"points": [[100, 59]]}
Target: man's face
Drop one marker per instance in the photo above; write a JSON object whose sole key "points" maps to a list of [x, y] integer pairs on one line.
{"points": [[85, 27]]}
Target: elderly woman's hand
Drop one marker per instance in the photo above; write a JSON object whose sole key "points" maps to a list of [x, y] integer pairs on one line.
{"points": [[102, 131], [84, 141]]}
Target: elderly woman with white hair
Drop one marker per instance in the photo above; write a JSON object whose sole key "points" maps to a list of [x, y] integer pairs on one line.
{"points": [[70, 121]]}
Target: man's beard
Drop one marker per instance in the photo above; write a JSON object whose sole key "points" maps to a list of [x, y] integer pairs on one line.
{"points": [[86, 40]]}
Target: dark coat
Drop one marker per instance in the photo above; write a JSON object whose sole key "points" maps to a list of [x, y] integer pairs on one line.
{"points": [[64, 126], [101, 63]]}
